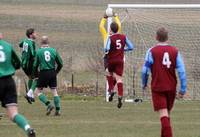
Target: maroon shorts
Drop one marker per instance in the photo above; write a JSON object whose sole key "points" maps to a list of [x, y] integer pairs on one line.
{"points": [[163, 100], [116, 67]]}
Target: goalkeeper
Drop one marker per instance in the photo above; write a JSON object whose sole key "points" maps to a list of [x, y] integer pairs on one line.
{"points": [[105, 35]]}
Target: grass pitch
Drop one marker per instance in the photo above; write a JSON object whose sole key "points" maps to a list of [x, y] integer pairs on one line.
{"points": [[100, 119]]}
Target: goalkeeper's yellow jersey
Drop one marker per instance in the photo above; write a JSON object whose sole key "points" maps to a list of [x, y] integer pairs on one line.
{"points": [[102, 28]]}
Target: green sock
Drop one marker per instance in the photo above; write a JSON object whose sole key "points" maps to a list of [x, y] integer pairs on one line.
{"points": [[34, 84], [57, 102], [29, 83], [44, 99], [21, 121]]}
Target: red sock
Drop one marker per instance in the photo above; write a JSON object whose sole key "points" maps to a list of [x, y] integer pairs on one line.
{"points": [[110, 83], [166, 130], [120, 89]]}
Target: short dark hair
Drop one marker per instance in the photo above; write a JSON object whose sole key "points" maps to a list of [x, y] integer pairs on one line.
{"points": [[114, 27], [162, 34], [29, 32]]}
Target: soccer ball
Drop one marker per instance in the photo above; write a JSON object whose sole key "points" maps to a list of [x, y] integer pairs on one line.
{"points": [[109, 12]]}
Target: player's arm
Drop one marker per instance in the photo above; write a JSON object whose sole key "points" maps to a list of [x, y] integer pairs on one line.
{"points": [[32, 48], [102, 28], [180, 67], [107, 47], [59, 62], [15, 60], [129, 45], [35, 64], [146, 68], [117, 20]]}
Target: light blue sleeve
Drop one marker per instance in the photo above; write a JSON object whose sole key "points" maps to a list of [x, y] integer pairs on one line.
{"points": [[108, 42], [146, 68], [181, 73], [129, 45]]}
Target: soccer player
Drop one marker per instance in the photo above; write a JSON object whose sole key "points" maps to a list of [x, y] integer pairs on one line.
{"points": [[115, 47], [9, 62], [28, 54], [163, 60], [105, 35], [47, 59]]}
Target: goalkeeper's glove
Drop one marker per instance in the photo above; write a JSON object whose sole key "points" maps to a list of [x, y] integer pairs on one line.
{"points": [[105, 16], [115, 14]]}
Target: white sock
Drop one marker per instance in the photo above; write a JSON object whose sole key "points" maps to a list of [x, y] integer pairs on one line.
{"points": [[30, 93], [27, 127]]}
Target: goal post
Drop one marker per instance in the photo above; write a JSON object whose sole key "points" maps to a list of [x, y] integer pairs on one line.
{"points": [[140, 22]]}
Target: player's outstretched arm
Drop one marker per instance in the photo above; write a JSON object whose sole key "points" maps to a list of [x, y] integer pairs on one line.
{"points": [[146, 68], [117, 20], [15, 60], [102, 28], [129, 45], [182, 75], [59, 62]]}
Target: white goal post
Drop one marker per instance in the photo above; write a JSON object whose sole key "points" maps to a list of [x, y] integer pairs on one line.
{"points": [[171, 24]]}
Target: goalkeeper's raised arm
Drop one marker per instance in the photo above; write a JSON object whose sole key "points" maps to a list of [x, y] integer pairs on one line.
{"points": [[103, 21]]}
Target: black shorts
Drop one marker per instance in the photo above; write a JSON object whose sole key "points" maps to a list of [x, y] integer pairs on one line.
{"points": [[8, 93], [47, 78], [29, 72]]}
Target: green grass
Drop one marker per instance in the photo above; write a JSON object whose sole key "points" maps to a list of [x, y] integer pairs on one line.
{"points": [[99, 119]]}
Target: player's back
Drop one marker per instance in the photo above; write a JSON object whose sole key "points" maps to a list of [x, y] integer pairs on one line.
{"points": [[163, 68], [46, 57], [116, 51], [28, 51], [6, 67]]}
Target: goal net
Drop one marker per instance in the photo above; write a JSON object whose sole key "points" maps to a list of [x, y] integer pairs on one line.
{"points": [[140, 22]]}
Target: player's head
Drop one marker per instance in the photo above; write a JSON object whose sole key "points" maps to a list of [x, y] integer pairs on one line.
{"points": [[44, 40], [1, 36], [162, 35], [30, 33], [114, 27]]}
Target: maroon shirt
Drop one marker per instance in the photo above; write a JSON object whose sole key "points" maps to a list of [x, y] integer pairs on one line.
{"points": [[163, 68], [116, 52]]}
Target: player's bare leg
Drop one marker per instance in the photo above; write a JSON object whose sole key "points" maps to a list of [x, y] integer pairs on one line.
{"points": [[120, 89], [20, 120], [56, 101], [166, 130], [42, 97]]}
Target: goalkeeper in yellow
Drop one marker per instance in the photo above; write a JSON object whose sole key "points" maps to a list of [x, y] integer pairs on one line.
{"points": [[105, 35]]}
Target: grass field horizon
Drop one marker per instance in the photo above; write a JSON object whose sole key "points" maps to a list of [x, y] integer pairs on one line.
{"points": [[97, 118]]}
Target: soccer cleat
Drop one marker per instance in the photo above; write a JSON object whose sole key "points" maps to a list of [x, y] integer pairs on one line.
{"points": [[31, 132], [29, 99], [57, 113], [49, 109], [119, 105], [111, 95]]}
